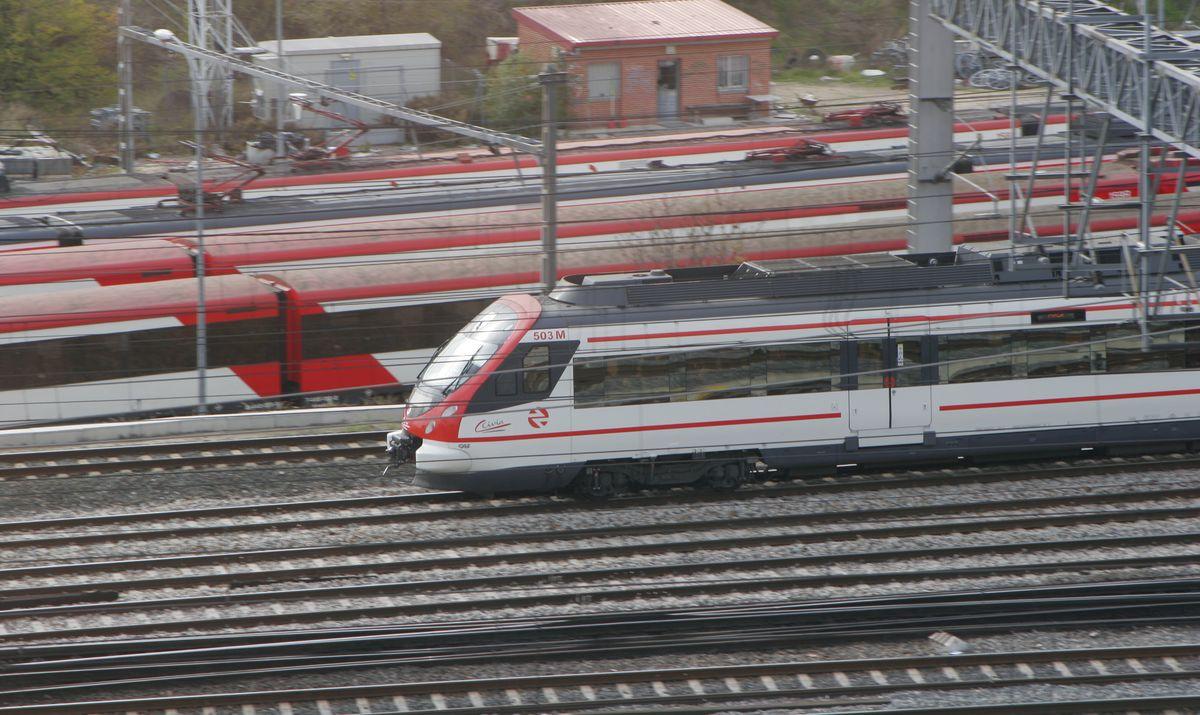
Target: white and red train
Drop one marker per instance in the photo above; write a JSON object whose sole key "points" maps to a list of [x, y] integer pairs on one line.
{"points": [[712, 374]]}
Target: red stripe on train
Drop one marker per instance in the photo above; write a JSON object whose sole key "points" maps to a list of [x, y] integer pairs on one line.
{"points": [[654, 428], [1065, 400]]}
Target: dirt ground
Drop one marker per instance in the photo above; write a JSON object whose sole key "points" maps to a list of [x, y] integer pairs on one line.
{"points": [[840, 94]]}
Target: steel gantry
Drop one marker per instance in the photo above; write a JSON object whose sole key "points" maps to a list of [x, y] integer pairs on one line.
{"points": [[1101, 48]]}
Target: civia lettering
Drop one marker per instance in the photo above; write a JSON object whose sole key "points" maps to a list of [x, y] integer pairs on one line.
{"points": [[539, 417], [492, 425]]}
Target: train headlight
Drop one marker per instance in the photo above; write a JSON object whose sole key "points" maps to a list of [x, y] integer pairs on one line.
{"points": [[429, 426], [450, 411]]}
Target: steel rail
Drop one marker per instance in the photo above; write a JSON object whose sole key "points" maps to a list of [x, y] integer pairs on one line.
{"points": [[887, 674], [294, 573], [266, 639], [802, 489], [222, 512], [1149, 703], [546, 580], [112, 456]]}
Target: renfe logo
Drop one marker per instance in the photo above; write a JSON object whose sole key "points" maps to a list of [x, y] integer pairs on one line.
{"points": [[492, 425], [539, 417]]}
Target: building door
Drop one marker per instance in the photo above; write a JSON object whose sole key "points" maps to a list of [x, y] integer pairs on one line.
{"points": [[894, 388], [347, 75], [668, 88]]}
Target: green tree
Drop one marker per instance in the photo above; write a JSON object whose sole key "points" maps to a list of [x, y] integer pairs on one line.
{"points": [[513, 100], [57, 54]]}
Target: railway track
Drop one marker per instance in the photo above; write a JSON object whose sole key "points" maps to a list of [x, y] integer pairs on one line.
{"points": [[99, 461], [470, 506], [70, 672], [52, 601], [329, 561]]}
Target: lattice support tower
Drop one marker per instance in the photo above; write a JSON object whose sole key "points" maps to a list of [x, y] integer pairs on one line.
{"points": [[1106, 57], [212, 25]]}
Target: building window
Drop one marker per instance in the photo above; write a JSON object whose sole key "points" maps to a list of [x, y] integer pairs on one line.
{"points": [[604, 80], [733, 73]]}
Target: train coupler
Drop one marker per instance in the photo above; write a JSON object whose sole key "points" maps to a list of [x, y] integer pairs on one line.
{"points": [[401, 448]]}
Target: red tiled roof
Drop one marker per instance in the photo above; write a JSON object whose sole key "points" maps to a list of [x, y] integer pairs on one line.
{"points": [[642, 21]]}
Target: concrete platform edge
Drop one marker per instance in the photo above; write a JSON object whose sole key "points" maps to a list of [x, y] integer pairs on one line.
{"points": [[73, 435]]}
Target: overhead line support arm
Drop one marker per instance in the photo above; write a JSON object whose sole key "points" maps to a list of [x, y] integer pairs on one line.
{"points": [[326, 91]]}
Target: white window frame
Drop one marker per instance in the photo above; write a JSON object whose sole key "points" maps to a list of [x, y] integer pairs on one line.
{"points": [[728, 72], [606, 86]]}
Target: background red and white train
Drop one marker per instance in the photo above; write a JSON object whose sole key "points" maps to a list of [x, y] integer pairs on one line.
{"points": [[579, 156], [862, 215]]}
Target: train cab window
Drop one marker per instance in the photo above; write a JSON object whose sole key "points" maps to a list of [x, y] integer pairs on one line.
{"points": [[506, 384], [1056, 353], [976, 357], [535, 370]]}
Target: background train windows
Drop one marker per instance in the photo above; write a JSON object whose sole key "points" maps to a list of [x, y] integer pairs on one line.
{"points": [[118, 356], [410, 327]]}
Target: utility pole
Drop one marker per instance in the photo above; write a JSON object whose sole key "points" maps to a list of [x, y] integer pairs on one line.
{"points": [[930, 132], [199, 103], [281, 103], [551, 79], [125, 88]]}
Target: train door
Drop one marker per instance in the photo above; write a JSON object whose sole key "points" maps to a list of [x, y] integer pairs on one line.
{"points": [[870, 400], [892, 388], [910, 391]]}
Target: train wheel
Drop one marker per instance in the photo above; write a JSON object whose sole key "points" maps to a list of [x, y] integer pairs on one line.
{"points": [[594, 484], [726, 477]]}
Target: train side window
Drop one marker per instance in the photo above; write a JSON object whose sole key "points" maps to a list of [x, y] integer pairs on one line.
{"points": [[1169, 348], [718, 374], [803, 367], [975, 357], [1192, 346], [589, 383], [535, 367], [650, 378], [1055, 353]]}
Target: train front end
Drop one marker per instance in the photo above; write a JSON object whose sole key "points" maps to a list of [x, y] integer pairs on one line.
{"points": [[429, 435]]}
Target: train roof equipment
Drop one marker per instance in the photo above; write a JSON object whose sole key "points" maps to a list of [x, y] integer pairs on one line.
{"points": [[874, 115]]}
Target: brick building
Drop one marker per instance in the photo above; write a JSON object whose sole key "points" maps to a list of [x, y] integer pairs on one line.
{"points": [[645, 60]]}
